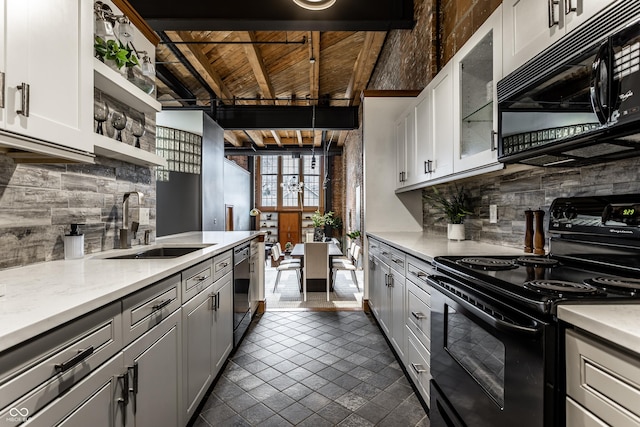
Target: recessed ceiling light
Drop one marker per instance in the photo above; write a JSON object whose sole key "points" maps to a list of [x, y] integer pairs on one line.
{"points": [[315, 4]]}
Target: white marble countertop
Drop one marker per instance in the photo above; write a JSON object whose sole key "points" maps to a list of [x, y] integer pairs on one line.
{"points": [[427, 246], [617, 323], [42, 296]]}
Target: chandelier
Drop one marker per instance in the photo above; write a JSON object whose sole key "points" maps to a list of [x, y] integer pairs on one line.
{"points": [[315, 4], [292, 185]]}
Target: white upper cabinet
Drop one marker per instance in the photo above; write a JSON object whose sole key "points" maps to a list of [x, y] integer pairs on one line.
{"points": [[48, 71], [532, 25], [476, 68], [442, 124], [406, 148]]}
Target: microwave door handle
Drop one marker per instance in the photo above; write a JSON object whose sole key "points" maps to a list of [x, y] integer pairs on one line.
{"points": [[600, 105]]}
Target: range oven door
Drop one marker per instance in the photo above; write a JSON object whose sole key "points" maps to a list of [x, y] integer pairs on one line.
{"points": [[487, 361]]}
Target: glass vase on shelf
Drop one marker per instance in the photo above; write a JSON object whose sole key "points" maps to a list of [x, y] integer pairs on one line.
{"points": [[142, 82]]}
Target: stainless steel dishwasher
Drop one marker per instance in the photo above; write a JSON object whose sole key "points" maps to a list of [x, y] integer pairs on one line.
{"points": [[241, 282]]}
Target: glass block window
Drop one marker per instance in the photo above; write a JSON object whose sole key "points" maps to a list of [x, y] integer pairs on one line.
{"points": [[182, 149]]}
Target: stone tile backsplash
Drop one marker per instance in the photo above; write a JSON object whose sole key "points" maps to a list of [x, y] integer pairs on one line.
{"points": [[38, 202], [518, 188]]}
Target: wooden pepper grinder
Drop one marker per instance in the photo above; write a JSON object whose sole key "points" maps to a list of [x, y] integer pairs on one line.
{"points": [[538, 237], [528, 231]]}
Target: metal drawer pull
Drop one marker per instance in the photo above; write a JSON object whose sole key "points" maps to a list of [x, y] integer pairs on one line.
{"points": [[385, 253], [552, 13], [82, 354], [161, 305], [202, 278], [1, 89], [494, 145], [125, 389], [24, 88], [569, 7], [397, 261], [418, 315], [428, 166], [418, 368], [134, 388]]}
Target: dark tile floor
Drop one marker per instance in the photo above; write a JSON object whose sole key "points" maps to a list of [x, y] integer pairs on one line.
{"points": [[313, 369]]}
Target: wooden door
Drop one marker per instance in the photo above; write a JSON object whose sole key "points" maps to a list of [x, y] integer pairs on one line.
{"points": [[228, 218], [289, 228]]}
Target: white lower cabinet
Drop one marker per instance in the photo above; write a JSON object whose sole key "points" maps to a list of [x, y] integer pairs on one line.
{"points": [[603, 383], [418, 364], [397, 310], [222, 321], [153, 369]]}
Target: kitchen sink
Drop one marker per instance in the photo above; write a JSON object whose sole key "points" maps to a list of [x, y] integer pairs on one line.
{"points": [[158, 253]]}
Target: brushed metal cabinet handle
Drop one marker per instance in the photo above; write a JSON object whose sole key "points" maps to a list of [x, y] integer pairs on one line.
{"points": [[82, 354], [569, 7], [1, 89], [160, 305], [553, 21], [419, 368], [418, 315], [24, 89], [494, 145]]}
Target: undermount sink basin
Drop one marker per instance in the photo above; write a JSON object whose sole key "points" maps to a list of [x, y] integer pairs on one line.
{"points": [[158, 253]]}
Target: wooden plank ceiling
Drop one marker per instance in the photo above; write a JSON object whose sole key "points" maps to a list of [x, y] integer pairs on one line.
{"points": [[272, 68]]}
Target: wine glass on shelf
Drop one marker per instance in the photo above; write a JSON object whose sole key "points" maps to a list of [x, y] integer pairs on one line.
{"points": [[137, 130], [119, 122], [100, 114]]}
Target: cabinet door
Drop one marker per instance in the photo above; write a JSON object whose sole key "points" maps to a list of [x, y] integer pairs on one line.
{"points": [[578, 11], [477, 66], [49, 48], [373, 285], [424, 142], [442, 106], [411, 146], [529, 29], [397, 314], [385, 298], [223, 322], [153, 364], [92, 402], [197, 344], [401, 165]]}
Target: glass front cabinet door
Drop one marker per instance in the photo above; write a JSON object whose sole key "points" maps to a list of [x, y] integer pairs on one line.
{"points": [[477, 67]]}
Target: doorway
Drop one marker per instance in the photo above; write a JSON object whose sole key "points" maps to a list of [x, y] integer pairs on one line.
{"points": [[289, 228], [228, 217]]}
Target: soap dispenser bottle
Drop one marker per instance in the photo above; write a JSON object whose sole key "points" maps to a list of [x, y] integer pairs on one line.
{"points": [[74, 243]]}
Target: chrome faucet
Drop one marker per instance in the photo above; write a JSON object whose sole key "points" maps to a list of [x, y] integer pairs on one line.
{"points": [[125, 233]]}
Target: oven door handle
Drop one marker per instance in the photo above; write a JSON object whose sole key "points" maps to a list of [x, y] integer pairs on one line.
{"points": [[481, 310]]}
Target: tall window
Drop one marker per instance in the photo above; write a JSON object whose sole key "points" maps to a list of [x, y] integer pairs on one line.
{"points": [[269, 177], [282, 178]]}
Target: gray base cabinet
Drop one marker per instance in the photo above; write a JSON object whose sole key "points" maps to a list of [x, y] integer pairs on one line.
{"points": [[223, 321]]}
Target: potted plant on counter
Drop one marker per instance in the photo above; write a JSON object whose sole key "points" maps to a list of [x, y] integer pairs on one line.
{"points": [[454, 208]]}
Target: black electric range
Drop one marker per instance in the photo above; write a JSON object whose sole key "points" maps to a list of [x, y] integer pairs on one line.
{"points": [[496, 354]]}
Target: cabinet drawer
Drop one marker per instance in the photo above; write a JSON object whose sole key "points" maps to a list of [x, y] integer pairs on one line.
{"points": [[419, 314], [418, 359], [374, 247], [603, 379], [35, 373], [418, 271], [398, 261], [148, 307], [222, 264], [196, 278], [579, 416], [255, 246]]}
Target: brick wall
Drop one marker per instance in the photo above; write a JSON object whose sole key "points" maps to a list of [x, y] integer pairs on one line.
{"points": [[38, 202]]}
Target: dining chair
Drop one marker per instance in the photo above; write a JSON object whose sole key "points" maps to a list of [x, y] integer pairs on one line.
{"points": [[347, 265], [316, 264], [277, 259]]}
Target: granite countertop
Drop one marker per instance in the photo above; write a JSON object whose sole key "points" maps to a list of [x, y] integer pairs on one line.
{"points": [[427, 246], [41, 296], [617, 323]]}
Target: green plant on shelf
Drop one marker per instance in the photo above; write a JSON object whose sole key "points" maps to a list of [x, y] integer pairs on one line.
{"points": [[114, 50]]}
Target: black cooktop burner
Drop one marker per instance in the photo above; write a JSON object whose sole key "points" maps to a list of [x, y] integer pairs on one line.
{"points": [[560, 287], [488, 263], [616, 283], [531, 261]]}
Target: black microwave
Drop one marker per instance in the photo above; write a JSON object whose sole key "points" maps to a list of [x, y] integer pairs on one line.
{"points": [[578, 101]]}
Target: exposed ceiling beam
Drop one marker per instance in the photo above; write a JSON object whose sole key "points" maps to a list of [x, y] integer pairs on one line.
{"points": [[274, 150], [256, 137], [287, 141], [276, 138], [200, 62], [174, 84], [298, 117], [257, 64], [317, 138], [314, 70], [342, 138], [364, 65], [232, 138], [299, 137]]}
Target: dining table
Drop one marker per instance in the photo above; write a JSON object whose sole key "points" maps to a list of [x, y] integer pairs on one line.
{"points": [[334, 251]]}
